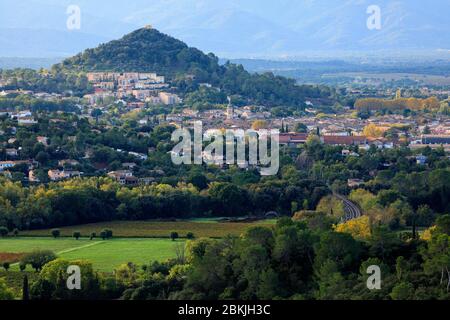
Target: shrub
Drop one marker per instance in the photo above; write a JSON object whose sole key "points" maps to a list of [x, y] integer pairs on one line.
{"points": [[42, 290], [5, 292], [190, 235], [174, 235], [3, 231], [77, 235], [56, 233]]}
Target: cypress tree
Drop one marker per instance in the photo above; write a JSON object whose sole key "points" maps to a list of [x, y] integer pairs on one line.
{"points": [[25, 289]]}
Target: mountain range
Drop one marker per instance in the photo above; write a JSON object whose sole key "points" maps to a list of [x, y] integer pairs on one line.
{"points": [[233, 28]]}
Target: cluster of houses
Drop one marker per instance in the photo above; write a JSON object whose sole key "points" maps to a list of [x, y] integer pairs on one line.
{"points": [[145, 87]]}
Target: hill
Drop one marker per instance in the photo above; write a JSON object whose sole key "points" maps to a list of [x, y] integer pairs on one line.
{"points": [[148, 50], [143, 50]]}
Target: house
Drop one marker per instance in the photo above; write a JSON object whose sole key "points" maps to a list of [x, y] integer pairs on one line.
{"points": [[121, 176], [293, 139], [129, 165], [436, 139], [138, 155], [354, 183], [344, 140], [153, 100], [10, 164], [169, 98], [421, 159], [68, 162], [11, 152], [43, 140], [56, 175], [27, 121], [348, 153], [32, 176], [146, 180]]}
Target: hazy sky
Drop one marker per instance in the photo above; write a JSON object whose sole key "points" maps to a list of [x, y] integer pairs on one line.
{"points": [[229, 28]]}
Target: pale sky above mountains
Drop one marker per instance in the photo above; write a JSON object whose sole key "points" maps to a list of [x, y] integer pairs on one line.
{"points": [[232, 28]]}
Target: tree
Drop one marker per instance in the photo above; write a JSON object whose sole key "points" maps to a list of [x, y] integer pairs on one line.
{"points": [[25, 289], [42, 157], [38, 258], [55, 272], [22, 266], [3, 232], [174, 235], [359, 228], [260, 124], [437, 257], [300, 128], [198, 180], [56, 233], [339, 248], [443, 224], [331, 282], [106, 234], [403, 291], [42, 289], [190, 235], [77, 235], [96, 113], [373, 131]]}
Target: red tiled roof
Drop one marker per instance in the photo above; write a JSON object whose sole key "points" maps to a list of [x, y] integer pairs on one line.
{"points": [[344, 140], [293, 137]]}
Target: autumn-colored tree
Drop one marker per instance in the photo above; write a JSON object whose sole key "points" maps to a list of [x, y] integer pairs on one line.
{"points": [[260, 124], [359, 228], [373, 131]]}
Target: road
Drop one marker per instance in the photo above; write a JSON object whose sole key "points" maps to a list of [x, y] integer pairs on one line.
{"points": [[351, 210]]}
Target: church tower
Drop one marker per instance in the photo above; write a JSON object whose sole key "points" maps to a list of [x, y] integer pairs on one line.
{"points": [[230, 110]]}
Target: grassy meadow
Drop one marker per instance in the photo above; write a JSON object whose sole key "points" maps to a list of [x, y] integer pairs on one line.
{"points": [[105, 255], [157, 229], [133, 241]]}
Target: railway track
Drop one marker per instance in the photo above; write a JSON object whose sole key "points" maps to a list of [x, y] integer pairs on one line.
{"points": [[351, 210]]}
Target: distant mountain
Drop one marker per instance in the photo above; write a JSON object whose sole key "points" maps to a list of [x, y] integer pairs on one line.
{"points": [[28, 43], [255, 28], [28, 63], [235, 28]]}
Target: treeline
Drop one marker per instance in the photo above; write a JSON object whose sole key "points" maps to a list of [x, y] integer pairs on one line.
{"points": [[80, 201], [24, 102], [413, 104], [44, 81]]}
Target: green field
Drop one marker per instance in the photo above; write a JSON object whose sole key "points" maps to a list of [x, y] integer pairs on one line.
{"points": [[133, 241], [104, 255], [158, 229]]}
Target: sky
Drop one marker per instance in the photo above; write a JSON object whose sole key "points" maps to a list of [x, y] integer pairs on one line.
{"points": [[232, 28]]}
